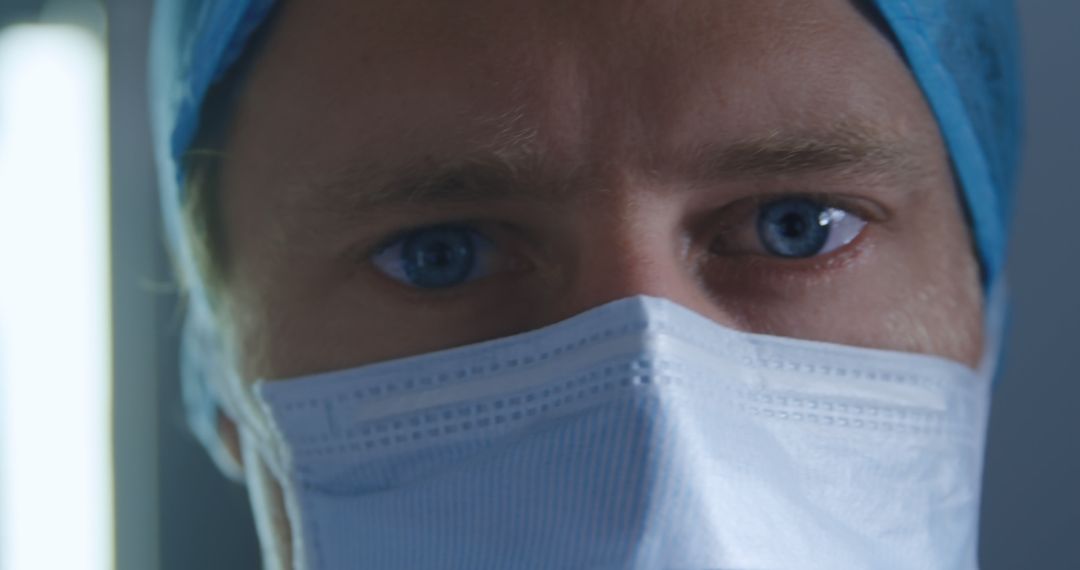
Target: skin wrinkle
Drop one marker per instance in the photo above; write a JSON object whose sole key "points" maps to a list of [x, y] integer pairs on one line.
{"points": [[358, 193], [607, 104], [514, 137]]}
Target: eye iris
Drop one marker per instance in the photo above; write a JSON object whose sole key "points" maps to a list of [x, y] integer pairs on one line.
{"points": [[438, 257], [793, 228]]}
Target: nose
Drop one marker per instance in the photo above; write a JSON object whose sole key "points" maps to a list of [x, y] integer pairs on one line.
{"points": [[637, 253]]}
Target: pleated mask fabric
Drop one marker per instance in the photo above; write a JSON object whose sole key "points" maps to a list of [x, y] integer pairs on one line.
{"points": [[638, 435]]}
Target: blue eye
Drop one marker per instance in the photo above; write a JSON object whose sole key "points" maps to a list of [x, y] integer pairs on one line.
{"points": [[437, 257], [800, 227]]}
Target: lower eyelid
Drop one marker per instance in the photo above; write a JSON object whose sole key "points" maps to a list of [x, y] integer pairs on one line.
{"points": [[757, 275]]}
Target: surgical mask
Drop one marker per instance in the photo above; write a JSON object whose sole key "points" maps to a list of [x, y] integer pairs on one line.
{"points": [[637, 435]]}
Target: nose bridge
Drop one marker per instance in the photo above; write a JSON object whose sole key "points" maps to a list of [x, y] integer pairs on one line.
{"points": [[637, 251]]}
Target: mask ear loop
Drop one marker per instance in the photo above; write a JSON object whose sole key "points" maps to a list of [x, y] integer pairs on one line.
{"points": [[277, 510], [201, 374], [995, 327], [212, 386], [210, 383], [270, 446]]}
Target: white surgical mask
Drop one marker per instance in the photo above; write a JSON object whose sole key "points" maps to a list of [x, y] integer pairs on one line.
{"points": [[637, 435]]}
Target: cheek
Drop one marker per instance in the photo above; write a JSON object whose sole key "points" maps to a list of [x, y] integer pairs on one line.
{"points": [[939, 309], [942, 314], [305, 327], [943, 307], [935, 312], [928, 325], [912, 291]]}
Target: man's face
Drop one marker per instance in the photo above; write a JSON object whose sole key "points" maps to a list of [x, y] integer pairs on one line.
{"points": [[407, 176]]}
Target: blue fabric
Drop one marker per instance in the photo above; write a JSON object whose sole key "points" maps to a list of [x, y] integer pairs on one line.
{"points": [[964, 54]]}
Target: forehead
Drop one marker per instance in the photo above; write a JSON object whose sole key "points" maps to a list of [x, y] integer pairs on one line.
{"points": [[603, 78]]}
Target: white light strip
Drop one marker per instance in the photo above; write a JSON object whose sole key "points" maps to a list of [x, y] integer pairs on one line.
{"points": [[55, 444]]}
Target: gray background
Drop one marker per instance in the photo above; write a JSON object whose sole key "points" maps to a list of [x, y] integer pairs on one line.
{"points": [[175, 512], [1031, 505]]}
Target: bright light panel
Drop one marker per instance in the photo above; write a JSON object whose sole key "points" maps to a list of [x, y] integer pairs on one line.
{"points": [[55, 450]]}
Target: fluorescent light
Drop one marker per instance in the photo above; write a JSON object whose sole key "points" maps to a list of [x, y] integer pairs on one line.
{"points": [[55, 451]]}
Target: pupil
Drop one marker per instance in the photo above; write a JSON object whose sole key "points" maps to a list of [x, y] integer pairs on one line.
{"points": [[439, 254], [793, 225], [438, 257], [791, 228]]}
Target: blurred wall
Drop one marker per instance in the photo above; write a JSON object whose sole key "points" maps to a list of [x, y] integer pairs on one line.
{"points": [[175, 512], [1031, 506]]}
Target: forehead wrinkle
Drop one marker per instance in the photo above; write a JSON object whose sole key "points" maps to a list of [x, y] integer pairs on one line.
{"points": [[515, 166]]}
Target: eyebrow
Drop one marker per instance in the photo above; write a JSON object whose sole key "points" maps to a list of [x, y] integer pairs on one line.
{"points": [[778, 153], [528, 174]]}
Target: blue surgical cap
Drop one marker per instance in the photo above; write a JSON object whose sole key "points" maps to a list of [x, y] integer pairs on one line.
{"points": [[963, 53]]}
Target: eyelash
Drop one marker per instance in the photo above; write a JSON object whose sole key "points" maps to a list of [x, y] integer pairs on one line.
{"points": [[430, 271], [837, 217]]}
